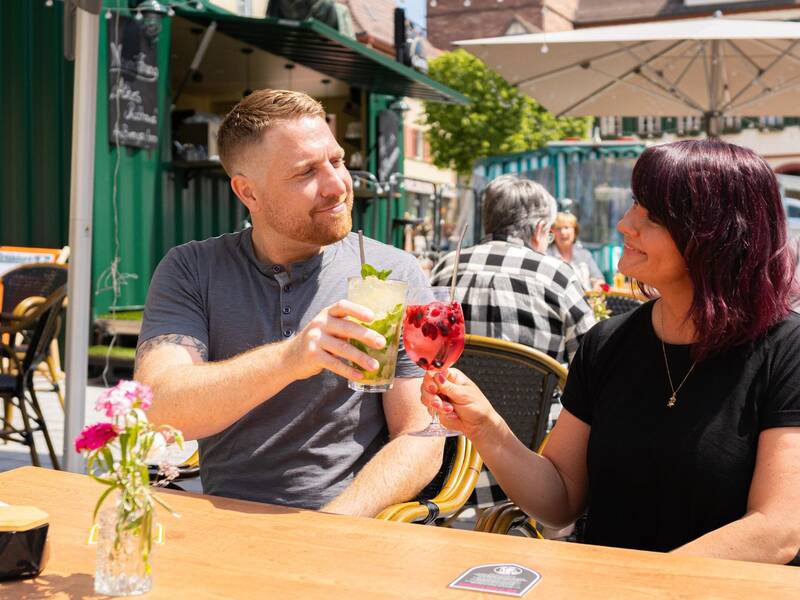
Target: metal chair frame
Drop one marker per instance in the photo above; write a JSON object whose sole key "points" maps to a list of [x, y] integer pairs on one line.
{"points": [[461, 477], [18, 389]]}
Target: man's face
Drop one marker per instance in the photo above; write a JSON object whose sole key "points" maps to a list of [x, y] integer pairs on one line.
{"points": [[303, 188]]}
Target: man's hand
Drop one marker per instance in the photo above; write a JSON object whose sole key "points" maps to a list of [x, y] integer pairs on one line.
{"points": [[323, 344]]}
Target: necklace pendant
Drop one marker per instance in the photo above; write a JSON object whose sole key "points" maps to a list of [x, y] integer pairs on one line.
{"points": [[671, 402]]}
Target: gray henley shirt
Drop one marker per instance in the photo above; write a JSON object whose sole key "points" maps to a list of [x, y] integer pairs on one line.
{"points": [[304, 445]]}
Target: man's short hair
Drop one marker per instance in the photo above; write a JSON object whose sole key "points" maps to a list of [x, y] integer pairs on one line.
{"points": [[513, 207], [253, 115]]}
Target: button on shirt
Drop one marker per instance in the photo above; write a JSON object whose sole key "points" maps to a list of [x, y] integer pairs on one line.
{"points": [[304, 445]]}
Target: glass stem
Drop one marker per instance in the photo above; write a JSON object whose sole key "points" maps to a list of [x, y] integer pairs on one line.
{"points": [[435, 422]]}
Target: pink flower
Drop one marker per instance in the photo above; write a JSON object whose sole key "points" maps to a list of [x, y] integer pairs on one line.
{"points": [[95, 436], [124, 396]]}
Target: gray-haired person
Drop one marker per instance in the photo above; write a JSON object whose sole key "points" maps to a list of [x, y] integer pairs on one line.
{"points": [[509, 288]]}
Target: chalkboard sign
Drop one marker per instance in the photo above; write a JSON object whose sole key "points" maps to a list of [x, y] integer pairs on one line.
{"points": [[388, 149], [132, 84]]}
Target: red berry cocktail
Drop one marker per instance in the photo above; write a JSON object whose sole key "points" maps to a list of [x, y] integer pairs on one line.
{"points": [[433, 335]]}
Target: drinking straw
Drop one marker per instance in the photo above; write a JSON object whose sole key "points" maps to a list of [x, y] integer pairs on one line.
{"points": [[361, 246], [455, 266]]}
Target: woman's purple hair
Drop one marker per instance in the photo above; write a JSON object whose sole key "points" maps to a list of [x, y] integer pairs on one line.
{"points": [[722, 206]]}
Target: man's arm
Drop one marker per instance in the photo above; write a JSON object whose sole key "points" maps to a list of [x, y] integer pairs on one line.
{"points": [[403, 466], [187, 390]]}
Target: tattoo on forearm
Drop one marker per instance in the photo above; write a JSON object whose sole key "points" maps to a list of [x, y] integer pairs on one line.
{"points": [[186, 341]]}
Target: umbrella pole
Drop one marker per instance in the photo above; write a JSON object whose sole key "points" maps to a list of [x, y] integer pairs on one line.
{"points": [[713, 124], [79, 283], [712, 116]]}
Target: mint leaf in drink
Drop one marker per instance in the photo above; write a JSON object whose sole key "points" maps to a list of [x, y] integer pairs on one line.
{"points": [[368, 270], [385, 325]]}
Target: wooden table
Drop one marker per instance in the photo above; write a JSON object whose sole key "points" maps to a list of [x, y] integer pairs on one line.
{"points": [[223, 548]]}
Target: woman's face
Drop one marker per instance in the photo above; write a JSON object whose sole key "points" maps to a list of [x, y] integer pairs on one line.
{"points": [[650, 254], [564, 233]]}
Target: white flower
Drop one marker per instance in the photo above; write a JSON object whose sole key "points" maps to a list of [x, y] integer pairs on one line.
{"points": [[168, 471]]}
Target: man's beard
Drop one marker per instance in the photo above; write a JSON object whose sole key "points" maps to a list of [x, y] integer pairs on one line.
{"points": [[314, 228]]}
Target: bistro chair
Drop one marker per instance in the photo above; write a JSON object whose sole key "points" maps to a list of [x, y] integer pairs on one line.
{"points": [[17, 389], [40, 279], [619, 302], [506, 516], [521, 383], [444, 496], [51, 366], [22, 289]]}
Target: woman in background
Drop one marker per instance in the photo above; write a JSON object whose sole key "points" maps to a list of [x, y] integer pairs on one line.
{"points": [[566, 247]]}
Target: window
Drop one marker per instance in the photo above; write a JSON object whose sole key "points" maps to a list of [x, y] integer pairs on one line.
{"points": [[610, 126], [419, 144], [648, 126]]}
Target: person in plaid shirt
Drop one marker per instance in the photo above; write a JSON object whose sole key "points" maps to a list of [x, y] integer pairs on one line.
{"points": [[510, 289]]}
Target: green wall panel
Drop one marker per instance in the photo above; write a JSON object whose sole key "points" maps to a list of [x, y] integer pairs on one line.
{"points": [[159, 205], [36, 113], [129, 228]]}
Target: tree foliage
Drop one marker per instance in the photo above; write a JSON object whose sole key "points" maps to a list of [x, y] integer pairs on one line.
{"points": [[499, 120]]}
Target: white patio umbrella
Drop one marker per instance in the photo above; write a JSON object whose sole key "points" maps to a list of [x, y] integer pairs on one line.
{"points": [[709, 67]]}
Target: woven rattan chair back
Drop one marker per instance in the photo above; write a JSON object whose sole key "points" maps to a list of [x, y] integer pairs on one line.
{"points": [[519, 382], [30, 280], [619, 303]]}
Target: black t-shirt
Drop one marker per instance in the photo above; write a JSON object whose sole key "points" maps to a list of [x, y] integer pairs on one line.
{"points": [[660, 477]]}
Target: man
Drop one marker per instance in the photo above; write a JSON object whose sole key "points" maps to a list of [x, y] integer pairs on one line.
{"points": [[245, 336], [509, 289]]}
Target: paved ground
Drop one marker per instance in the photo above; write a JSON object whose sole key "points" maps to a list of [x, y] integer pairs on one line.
{"points": [[16, 455]]}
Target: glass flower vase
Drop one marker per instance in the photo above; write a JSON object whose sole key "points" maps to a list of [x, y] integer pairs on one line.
{"points": [[122, 563]]}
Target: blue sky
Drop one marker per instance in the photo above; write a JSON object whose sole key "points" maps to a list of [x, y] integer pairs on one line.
{"points": [[415, 10]]}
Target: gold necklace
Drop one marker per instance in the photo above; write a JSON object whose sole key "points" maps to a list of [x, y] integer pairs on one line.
{"points": [[674, 397]]}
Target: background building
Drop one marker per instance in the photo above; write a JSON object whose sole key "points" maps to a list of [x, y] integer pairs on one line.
{"points": [[776, 138], [157, 179]]}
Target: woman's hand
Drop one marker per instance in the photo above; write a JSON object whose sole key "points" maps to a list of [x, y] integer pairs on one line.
{"points": [[459, 402]]}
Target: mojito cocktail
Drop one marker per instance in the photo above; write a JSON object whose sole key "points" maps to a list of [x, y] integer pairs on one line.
{"points": [[386, 298]]}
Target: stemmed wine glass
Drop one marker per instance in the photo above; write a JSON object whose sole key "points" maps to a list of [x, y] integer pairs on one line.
{"points": [[433, 335]]}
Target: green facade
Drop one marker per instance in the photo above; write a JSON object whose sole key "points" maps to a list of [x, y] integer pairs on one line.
{"points": [[138, 191], [36, 109], [156, 205]]}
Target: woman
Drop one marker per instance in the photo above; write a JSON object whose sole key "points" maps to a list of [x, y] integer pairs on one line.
{"points": [[681, 423], [566, 247]]}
